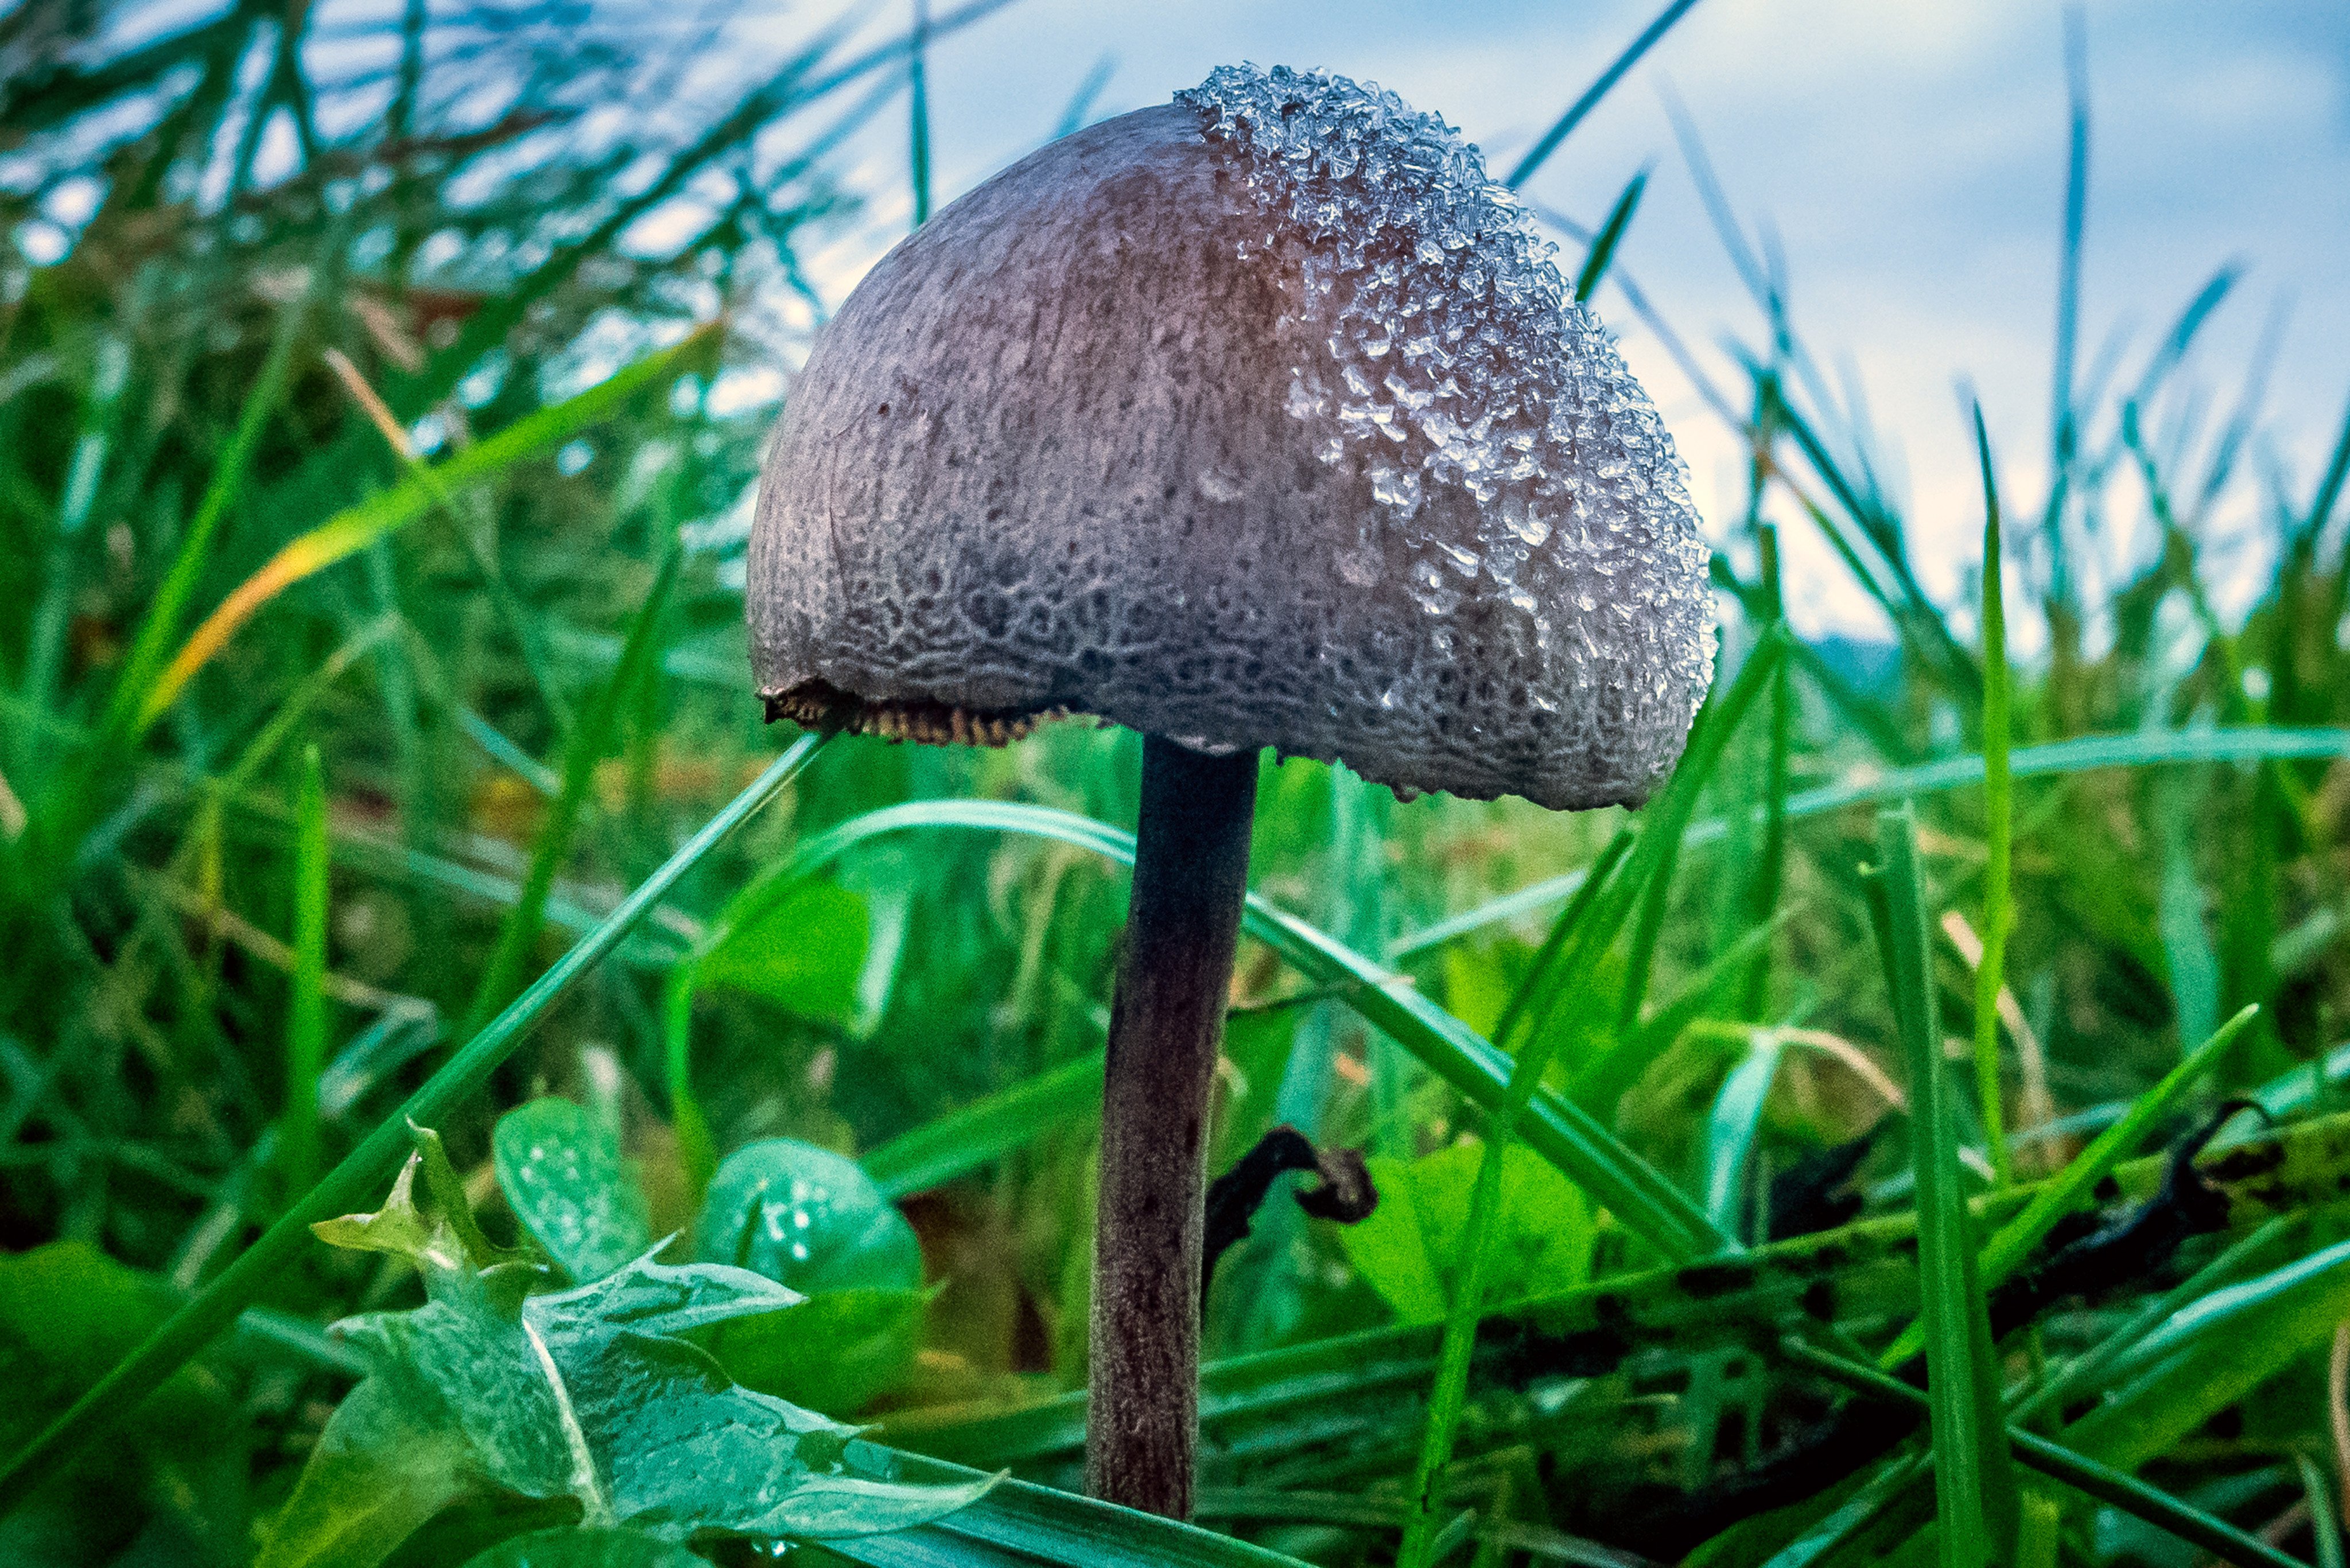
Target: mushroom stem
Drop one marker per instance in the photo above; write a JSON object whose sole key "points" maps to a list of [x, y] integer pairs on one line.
{"points": [[1166, 1029]]}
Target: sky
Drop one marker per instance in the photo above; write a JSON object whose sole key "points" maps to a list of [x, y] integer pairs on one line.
{"points": [[1906, 159]]}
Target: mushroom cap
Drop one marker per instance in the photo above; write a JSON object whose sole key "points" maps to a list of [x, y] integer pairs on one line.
{"points": [[1255, 418]]}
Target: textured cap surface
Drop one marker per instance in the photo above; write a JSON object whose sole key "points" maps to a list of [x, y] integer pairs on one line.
{"points": [[1257, 419]]}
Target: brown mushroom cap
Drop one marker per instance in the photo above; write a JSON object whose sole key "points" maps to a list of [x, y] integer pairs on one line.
{"points": [[1091, 440]]}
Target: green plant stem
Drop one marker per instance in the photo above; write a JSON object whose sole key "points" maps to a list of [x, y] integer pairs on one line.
{"points": [[357, 1178]]}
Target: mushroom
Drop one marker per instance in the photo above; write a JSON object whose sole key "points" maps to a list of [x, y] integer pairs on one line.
{"points": [[1257, 419]]}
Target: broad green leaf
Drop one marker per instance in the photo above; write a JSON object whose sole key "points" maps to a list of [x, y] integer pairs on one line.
{"points": [[563, 1173], [576, 1548], [1410, 1248], [808, 1217], [814, 1220], [801, 946], [834, 1352], [594, 1394], [387, 1463]]}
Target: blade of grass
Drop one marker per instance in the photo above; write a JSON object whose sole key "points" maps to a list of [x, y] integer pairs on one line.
{"points": [[1539, 153], [357, 527], [360, 1176], [2320, 1493], [2065, 428], [2103, 1482], [1999, 823], [527, 637], [305, 1050], [132, 707], [1611, 234], [1569, 924], [986, 1129], [1974, 1486], [1730, 1130], [2087, 1370], [590, 739], [918, 46], [1771, 861], [2076, 1185]]}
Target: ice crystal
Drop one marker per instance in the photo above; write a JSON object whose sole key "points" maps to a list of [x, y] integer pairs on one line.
{"points": [[1454, 356]]}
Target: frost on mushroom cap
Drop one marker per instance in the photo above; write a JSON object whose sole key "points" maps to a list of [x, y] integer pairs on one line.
{"points": [[1258, 419]]}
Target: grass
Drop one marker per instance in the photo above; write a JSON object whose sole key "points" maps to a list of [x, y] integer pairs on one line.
{"points": [[376, 752]]}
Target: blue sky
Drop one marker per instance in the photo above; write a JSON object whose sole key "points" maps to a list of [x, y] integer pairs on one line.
{"points": [[1908, 159]]}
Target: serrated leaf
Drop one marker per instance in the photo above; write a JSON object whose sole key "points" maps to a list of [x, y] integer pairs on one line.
{"points": [[834, 1351], [426, 1219], [1407, 1250], [562, 1173], [385, 1465], [593, 1393], [575, 1548]]}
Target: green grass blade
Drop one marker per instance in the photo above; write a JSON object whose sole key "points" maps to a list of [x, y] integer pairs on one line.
{"points": [[2325, 1525], [1017, 1525], [1974, 1483], [354, 528], [1611, 234], [45, 651], [2076, 1185], [1999, 822], [1770, 860], [2088, 1370], [987, 1129], [305, 1047], [1450, 1391], [590, 739], [357, 1180], [917, 86], [1565, 929], [129, 711], [1730, 1128], [1664, 826], [1539, 154], [2106, 1484]]}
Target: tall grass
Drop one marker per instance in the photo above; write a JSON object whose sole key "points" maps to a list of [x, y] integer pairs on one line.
{"points": [[376, 746]]}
